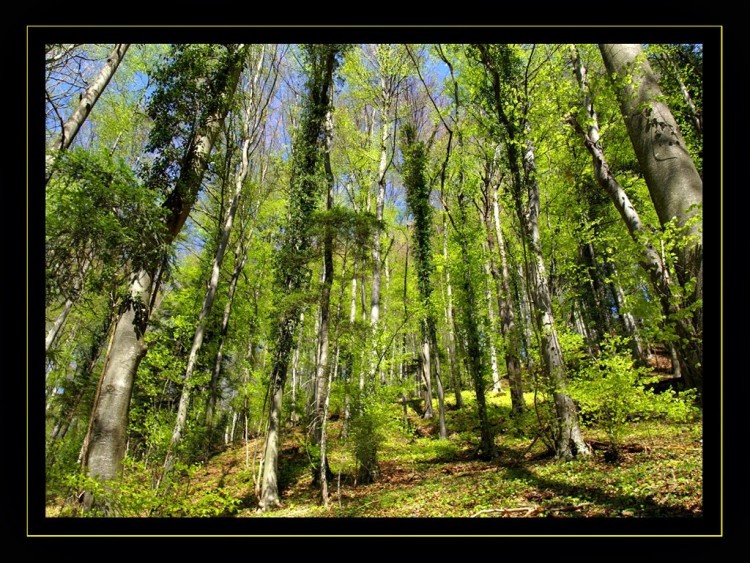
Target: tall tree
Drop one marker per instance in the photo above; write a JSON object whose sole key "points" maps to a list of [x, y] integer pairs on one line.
{"points": [[104, 447], [509, 78], [673, 181], [292, 273], [87, 101], [418, 202], [253, 119]]}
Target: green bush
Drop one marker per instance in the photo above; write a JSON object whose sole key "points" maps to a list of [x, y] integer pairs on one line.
{"points": [[610, 392]]}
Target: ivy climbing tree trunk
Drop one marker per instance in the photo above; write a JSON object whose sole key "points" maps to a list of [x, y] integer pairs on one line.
{"points": [[322, 371], [418, 201], [106, 439], [305, 191]]}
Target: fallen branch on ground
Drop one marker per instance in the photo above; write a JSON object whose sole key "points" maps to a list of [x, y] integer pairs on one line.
{"points": [[532, 509]]}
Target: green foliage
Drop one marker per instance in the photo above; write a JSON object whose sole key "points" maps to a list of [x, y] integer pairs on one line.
{"points": [[134, 494], [189, 87], [98, 212], [612, 392]]}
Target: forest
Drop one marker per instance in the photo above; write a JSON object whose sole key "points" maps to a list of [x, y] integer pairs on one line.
{"points": [[373, 280]]}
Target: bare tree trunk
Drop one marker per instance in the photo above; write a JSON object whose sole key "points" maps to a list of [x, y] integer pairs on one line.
{"points": [[379, 207], [496, 387], [454, 367], [108, 429], [507, 318], [208, 303], [240, 258], [85, 105], [54, 330], [425, 369], [438, 382], [569, 440]]}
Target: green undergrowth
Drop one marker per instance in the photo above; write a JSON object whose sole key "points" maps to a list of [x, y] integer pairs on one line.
{"points": [[658, 473]]}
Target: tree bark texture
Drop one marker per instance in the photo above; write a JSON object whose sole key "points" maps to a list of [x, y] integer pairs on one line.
{"points": [[108, 433], [673, 181]]}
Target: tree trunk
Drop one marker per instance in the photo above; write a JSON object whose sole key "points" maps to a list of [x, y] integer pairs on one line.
{"points": [[303, 198], [507, 318], [108, 429], [425, 370], [85, 105], [696, 119], [569, 441], [673, 181], [379, 207], [689, 345], [323, 371], [208, 303], [450, 323], [240, 258], [496, 387], [107, 435], [54, 330]]}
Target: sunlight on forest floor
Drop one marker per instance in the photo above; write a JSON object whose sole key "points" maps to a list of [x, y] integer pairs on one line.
{"points": [[659, 473]]}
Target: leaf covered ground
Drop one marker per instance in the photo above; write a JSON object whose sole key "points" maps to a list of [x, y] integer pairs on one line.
{"points": [[659, 474]]}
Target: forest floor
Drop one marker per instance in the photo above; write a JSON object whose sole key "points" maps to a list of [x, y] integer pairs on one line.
{"points": [[659, 473]]}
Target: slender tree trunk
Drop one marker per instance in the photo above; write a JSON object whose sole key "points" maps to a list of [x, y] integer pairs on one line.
{"points": [[507, 318], [473, 351], [54, 330], [303, 201], [438, 382], [696, 119], [240, 258], [85, 105], [629, 322], [450, 324], [323, 375], [569, 440], [496, 387], [425, 370], [208, 303], [379, 207]]}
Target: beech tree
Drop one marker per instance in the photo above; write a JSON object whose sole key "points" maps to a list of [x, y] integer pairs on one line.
{"points": [[104, 446], [673, 181]]}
